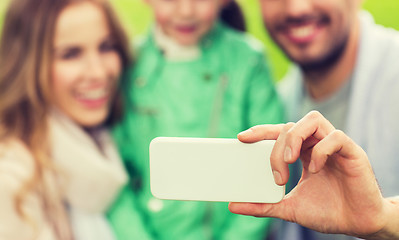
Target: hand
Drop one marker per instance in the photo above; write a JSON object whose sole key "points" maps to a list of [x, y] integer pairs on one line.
{"points": [[337, 192]]}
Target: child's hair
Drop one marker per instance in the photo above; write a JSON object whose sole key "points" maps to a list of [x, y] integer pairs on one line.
{"points": [[232, 15], [26, 56]]}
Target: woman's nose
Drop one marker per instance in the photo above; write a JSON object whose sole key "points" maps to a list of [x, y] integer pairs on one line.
{"points": [[95, 67]]}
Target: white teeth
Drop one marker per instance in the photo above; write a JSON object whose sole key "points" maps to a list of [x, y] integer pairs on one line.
{"points": [[303, 31], [94, 94]]}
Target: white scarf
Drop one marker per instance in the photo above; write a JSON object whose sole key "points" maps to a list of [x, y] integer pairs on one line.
{"points": [[92, 178]]}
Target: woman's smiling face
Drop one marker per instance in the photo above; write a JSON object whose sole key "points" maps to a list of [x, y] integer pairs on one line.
{"points": [[86, 65]]}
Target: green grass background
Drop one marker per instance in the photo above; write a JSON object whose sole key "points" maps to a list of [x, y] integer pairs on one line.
{"points": [[137, 17]]}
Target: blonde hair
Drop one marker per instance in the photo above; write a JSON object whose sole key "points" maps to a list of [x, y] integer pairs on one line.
{"points": [[26, 50]]}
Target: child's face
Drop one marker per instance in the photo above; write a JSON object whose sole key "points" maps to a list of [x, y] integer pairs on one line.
{"points": [[86, 65], [186, 21]]}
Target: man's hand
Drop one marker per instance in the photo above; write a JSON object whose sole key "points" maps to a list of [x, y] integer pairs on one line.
{"points": [[337, 192]]}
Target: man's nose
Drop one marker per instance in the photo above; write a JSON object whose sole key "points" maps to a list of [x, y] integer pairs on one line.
{"points": [[298, 8]]}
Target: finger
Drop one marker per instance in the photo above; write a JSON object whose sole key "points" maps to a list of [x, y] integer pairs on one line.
{"points": [[275, 210], [251, 209], [279, 167], [309, 143], [337, 142], [260, 132], [312, 125]]}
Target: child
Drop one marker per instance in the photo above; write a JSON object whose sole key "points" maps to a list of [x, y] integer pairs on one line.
{"points": [[60, 63], [194, 77]]}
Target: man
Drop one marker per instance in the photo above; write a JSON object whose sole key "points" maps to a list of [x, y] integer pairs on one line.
{"points": [[347, 68]]}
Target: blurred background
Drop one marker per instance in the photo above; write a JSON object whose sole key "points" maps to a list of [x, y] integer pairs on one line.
{"points": [[137, 17]]}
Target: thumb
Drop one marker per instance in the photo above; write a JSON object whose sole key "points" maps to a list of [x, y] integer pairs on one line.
{"points": [[275, 210]]}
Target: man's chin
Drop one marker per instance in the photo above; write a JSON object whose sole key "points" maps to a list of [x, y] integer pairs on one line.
{"points": [[320, 63], [323, 62], [314, 65]]}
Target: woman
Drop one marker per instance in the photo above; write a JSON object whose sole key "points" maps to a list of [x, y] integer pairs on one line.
{"points": [[60, 63]]}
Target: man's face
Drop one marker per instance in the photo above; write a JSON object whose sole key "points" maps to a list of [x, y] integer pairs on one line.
{"points": [[313, 33]]}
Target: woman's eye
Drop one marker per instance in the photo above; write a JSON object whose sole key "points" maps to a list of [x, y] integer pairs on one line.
{"points": [[107, 46], [71, 54]]}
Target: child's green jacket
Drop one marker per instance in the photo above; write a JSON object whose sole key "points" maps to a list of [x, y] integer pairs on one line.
{"points": [[227, 90]]}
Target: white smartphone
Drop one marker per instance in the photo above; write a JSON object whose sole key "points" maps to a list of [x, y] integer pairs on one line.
{"points": [[213, 169]]}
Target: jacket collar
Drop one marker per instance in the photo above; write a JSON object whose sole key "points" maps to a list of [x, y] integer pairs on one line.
{"points": [[156, 36], [172, 50]]}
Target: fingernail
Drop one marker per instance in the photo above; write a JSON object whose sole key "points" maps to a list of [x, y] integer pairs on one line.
{"points": [[277, 177], [312, 167], [246, 132], [287, 154]]}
